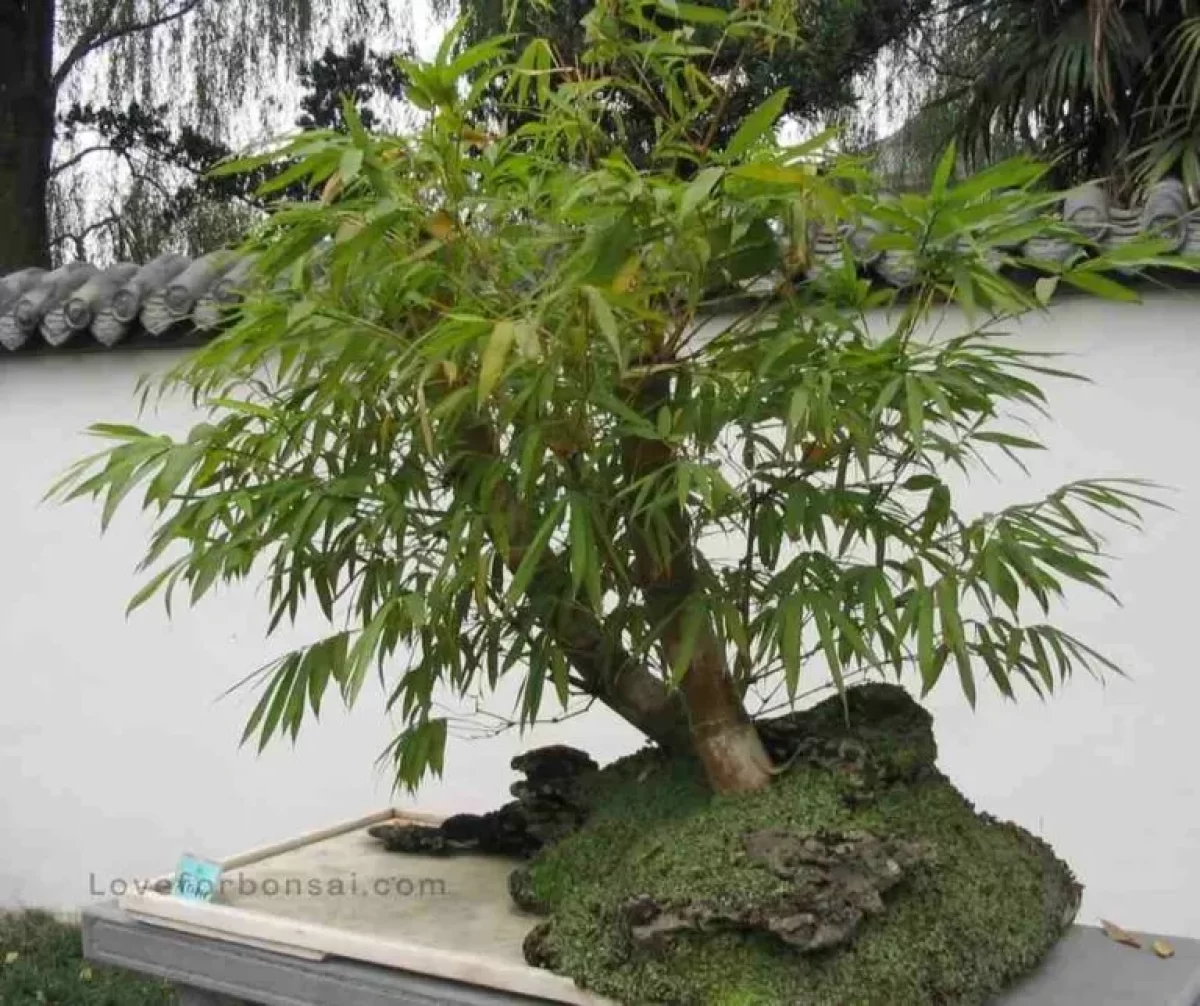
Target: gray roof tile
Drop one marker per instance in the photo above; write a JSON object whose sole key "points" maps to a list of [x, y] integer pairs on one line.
{"points": [[172, 296]]}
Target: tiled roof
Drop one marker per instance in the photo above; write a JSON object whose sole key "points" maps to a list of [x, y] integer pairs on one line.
{"points": [[173, 296], [79, 303]]}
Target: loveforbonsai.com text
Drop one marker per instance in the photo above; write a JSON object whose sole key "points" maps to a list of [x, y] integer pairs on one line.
{"points": [[241, 886]]}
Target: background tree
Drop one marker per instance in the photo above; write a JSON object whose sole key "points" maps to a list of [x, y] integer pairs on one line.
{"points": [[212, 53], [1108, 88], [836, 42], [174, 201], [495, 424]]}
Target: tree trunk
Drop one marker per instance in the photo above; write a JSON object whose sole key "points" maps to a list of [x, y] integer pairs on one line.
{"points": [[723, 737], [27, 108], [605, 669]]}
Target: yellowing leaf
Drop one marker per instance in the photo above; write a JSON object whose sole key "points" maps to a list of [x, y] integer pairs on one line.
{"points": [[350, 227], [777, 174], [528, 343], [333, 188], [440, 225], [11, 957], [1163, 949], [85, 974], [1119, 935], [627, 278], [495, 356], [475, 137], [1044, 288]]}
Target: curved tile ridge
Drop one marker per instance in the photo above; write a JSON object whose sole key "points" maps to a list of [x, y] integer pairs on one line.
{"points": [[80, 302], [1088, 209], [175, 294]]}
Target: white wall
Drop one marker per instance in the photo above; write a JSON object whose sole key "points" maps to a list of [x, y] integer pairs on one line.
{"points": [[115, 756]]}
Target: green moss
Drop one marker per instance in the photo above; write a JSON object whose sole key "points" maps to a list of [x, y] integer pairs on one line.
{"points": [[42, 964], [984, 910]]}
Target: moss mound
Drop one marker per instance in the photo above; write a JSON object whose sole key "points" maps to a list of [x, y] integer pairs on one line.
{"points": [[860, 877]]}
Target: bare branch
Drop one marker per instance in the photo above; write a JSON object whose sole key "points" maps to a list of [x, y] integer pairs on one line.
{"points": [[70, 162], [79, 239], [99, 35]]}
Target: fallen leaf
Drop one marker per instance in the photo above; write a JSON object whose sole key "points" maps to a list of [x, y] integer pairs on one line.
{"points": [[11, 956], [1119, 935], [1163, 949], [85, 974]]}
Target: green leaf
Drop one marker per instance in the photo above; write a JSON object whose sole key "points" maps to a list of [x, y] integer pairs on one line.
{"points": [[694, 13], [790, 612], [153, 586], [1101, 286], [354, 124], [915, 409], [925, 646], [699, 190], [695, 614], [772, 174], [1017, 172], [351, 164], [936, 510], [607, 250], [945, 168], [829, 643], [533, 554], [582, 550], [1008, 440], [606, 321], [756, 125], [947, 590], [495, 356]]}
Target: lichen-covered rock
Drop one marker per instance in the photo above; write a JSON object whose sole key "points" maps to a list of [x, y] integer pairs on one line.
{"points": [[861, 877]]}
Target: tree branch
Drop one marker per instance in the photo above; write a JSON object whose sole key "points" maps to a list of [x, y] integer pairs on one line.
{"points": [[70, 162], [96, 36]]}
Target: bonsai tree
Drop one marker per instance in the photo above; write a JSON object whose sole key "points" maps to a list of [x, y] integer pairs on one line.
{"points": [[511, 405]]}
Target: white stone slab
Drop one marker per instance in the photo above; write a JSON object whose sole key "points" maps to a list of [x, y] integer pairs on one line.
{"points": [[339, 893]]}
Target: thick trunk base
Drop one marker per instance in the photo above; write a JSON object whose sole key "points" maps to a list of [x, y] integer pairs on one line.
{"points": [[734, 759]]}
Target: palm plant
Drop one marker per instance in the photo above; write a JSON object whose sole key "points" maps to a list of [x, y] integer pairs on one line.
{"points": [[1109, 87]]}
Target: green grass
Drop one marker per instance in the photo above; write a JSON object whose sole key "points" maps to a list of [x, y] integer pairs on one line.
{"points": [[41, 964]]}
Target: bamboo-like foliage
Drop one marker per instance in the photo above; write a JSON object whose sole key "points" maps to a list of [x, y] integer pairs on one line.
{"points": [[499, 408]]}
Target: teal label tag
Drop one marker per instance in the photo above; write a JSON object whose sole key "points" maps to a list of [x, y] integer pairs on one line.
{"points": [[196, 879]]}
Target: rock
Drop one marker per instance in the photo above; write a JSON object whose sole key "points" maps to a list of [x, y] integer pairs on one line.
{"points": [[538, 950], [548, 807], [833, 881], [520, 889], [411, 838], [881, 736]]}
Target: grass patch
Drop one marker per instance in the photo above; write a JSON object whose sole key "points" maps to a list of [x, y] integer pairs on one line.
{"points": [[42, 964]]}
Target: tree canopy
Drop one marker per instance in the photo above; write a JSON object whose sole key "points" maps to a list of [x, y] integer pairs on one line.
{"points": [[485, 413]]}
